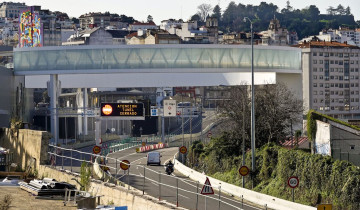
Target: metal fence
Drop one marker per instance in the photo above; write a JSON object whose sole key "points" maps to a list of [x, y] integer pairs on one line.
{"points": [[123, 179]]}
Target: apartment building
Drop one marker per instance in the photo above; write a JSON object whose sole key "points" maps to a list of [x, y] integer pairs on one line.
{"points": [[11, 9], [331, 78], [94, 19]]}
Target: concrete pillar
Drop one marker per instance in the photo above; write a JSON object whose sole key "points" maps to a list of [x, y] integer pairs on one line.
{"points": [[53, 90], [85, 105]]}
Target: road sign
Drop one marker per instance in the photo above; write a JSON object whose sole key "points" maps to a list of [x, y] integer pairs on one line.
{"points": [[207, 189], [324, 207], [122, 110], [293, 182], [183, 150], [96, 149], [154, 111], [209, 134], [169, 108], [244, 170], [125, 165]]}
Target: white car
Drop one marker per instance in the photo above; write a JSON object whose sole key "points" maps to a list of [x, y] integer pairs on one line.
{"points": [[153, 158]]}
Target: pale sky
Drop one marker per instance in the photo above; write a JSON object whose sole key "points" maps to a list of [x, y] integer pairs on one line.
{"points": [[165, 9]]}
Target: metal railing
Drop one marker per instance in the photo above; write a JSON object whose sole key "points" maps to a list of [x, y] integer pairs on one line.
{"points": [[93, 159]]}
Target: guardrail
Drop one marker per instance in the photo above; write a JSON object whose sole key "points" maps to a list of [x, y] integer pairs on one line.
{"points": [[252, 196], [114, 178]]}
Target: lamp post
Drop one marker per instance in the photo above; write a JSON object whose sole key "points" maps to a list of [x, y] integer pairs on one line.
{"points": [[252, 100]]}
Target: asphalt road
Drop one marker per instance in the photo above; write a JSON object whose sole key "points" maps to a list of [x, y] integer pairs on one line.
{"points": [[187, 188]]}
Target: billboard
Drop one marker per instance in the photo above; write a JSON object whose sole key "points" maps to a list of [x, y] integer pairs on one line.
{"points": [[30, 29], [129, 111]]}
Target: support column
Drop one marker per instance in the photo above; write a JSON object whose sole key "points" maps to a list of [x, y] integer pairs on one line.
{"points": [[85, 104], [53, 87]]}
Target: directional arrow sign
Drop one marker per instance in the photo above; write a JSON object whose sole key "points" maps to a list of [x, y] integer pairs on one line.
{"points": [[207, 189], [169, 108]]}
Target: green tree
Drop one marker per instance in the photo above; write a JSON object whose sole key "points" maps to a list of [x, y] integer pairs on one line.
{"points": [[217, 12], [149, 18], [85, 175]]}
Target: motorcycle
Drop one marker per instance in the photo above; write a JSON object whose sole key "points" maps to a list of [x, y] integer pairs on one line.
{"points": [[169, 169]]}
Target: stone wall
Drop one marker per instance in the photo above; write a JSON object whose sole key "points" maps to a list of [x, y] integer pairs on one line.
{"points": [[110, 193], [26, 145]]}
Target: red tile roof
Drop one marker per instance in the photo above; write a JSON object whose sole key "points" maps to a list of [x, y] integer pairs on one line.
{"points": [[292, 142], [317, 44]]}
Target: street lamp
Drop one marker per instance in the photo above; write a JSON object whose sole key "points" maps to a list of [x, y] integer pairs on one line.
{"points": [[252, 100]]}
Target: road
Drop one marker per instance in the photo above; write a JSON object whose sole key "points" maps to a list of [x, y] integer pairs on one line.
{"points": [[187, 188]]}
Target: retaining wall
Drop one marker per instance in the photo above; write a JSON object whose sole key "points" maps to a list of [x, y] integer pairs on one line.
{"points": [[110, 193], [252, 196]]}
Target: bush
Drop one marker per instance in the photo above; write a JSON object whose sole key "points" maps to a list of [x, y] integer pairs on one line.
{"points": [[5, 203]]}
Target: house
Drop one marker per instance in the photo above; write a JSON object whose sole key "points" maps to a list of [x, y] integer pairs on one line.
{"points": [[336, 138], [118, 36], [95, 36], [142, 26]]}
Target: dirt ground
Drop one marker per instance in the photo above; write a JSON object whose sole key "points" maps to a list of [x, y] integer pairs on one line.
{"points": [[24, 200]]}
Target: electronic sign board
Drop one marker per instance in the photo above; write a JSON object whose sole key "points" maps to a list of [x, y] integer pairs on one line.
{"points": [[122, 110]]}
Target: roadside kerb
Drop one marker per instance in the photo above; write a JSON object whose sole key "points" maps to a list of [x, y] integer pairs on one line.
{"points": [[252, 196]]}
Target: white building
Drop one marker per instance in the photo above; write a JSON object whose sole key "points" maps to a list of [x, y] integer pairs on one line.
{"points": [[171, 23], [342, 35], [11, 9], [142, 26], [277, 35]]}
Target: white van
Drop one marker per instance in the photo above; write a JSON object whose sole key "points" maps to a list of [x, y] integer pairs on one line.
{"points": [[153, 158]]}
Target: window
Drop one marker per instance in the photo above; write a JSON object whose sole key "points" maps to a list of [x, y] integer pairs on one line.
{"points": [[315, 92], [332, 69], [320, 54], [315, 77], [352, 146], [331, 62], [341, 77], [314, 54], [331, 54], [326, 54], [315, 101], [321, 61], [321, 77], [341, 62], [332, 93], [321, 108], [321, 85], [326, 85], [315, 84], [321, 93], [321, 69], [331, 77], [340, 55], [341, 85], [314, 61], [336, 62]]}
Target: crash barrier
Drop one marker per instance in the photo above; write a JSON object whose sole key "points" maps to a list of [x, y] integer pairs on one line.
{"points": [[108, 193], [249, 195], [144, 175], [64, 157], [151, 147]]}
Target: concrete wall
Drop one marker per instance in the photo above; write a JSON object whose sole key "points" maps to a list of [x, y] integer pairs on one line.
{"points": [[26, 145], [110, 193], [6, 84], [322, 139]]}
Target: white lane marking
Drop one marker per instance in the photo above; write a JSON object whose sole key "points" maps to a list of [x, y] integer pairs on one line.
{"points": [[154, 183], [184, 196]]}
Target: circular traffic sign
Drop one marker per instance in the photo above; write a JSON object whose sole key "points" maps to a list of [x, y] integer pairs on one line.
{"points": [[293, 182], [125, 165], [107, 109], [244, 170], [183, 150], [96, 149]]}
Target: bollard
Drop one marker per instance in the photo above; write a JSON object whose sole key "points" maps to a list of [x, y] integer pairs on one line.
{"points": [[144, 182], [265, 206], [116, 164], [62, 159], [197, 195], [242, 201], [128, 178], [159, 185], [219, 196], [177, 192], [71, 159]]}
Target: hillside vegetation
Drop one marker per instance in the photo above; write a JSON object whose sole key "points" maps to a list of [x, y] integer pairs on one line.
{"points": [[322, 179]]}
